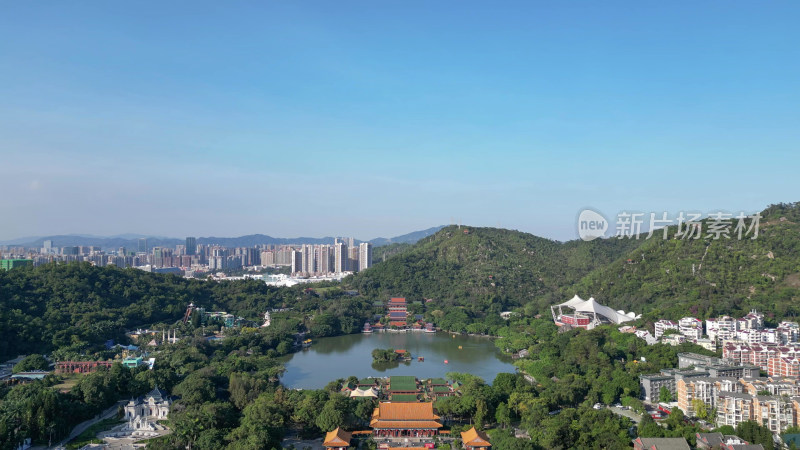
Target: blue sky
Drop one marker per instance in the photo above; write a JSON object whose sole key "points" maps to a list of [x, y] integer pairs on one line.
{"points": [[379, 118]]}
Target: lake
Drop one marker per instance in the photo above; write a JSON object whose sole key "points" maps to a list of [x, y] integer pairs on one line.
{"points": [[339, 357]]}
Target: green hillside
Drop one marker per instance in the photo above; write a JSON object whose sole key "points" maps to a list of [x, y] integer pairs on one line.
{"points": [[490, 270], [707, 277], [471, 274], [486, 268], [76, 307]]}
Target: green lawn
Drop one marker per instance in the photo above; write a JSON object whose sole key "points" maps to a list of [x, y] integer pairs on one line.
{"points": [[69, 382]]}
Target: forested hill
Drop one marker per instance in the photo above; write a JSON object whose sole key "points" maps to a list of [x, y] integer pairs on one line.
{"points": [[668, 278], [74, 307], [487, 269], [483, 270]]}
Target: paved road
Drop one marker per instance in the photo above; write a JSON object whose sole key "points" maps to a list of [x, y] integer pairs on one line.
{"points": [[625, 412], [81, 427], [300, 444]]}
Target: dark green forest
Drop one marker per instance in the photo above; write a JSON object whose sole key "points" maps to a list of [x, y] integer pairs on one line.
{"points": [[74, 308]]}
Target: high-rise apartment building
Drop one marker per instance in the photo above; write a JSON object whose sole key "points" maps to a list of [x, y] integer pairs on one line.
{"points": [[267, 258], [364, 256], [309, 265], [325, 258], [341, 257], [297, 261], [283, 256], [352, 261], [191, 246]]}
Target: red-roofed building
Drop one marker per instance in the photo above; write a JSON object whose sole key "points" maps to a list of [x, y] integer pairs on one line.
{"points": [[784, 367], [405, 420], [475, 440], [397, 312], [337, 439]]}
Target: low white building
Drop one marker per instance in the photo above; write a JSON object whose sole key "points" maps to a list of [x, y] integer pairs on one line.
{"points": [[673, 339], [143, 412], [708, 344], [663, 325], [648, 338], [721, 329], [691, 327]]}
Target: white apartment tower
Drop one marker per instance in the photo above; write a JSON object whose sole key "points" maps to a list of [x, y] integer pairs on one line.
{"points": [[325, 259], [341, 257], [309, 265], [364, 256], [297, 261]]}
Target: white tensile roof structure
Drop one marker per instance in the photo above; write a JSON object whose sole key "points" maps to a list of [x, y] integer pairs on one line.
{"points": [[597, 312], [369, 392]]}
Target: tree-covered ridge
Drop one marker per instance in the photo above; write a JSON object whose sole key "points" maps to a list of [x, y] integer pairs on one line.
{"points": [[487, 270], [71, 307], [484, 267], [706, 277], [471, 273]]}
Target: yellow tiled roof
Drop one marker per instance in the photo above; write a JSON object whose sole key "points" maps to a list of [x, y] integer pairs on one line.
{"points": [[475, 438], [337, 438]]}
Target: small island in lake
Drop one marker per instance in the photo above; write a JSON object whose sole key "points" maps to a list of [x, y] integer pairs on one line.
{"points": [[380, 355]]}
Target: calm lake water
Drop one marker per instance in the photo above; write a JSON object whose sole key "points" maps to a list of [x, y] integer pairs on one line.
{"points": [[341, 356]]}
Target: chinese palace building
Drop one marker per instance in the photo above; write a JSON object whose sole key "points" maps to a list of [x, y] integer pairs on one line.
{"points": [[475, 440], [398, 312], [405, 420], [337, 440]]}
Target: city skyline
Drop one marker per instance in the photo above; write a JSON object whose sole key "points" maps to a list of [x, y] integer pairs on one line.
{"points": [[309, 119], [136, 238]]}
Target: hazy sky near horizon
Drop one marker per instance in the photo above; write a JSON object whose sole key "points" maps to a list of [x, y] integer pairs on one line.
{"points": [[366, 119]]}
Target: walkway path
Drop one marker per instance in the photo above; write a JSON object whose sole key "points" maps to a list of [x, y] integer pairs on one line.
{"points": [[625, 412], [81, 427]]}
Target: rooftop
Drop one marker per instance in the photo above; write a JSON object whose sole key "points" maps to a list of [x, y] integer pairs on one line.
{"points": [[662, 443], [337, 438], [475, 438], [404, 398], [389, 411], [402, 383]]}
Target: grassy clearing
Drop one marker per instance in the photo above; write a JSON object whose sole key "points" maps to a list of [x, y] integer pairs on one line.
{"points": [[89, 435]]}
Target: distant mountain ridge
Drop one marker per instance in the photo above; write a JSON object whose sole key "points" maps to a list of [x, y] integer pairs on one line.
{"points": [[410, 238], [130, 240]]}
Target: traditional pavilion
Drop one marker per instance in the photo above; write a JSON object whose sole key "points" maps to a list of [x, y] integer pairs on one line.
{"points": [[475, 440], [398, 311], [337, 439], [405, 420]]}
